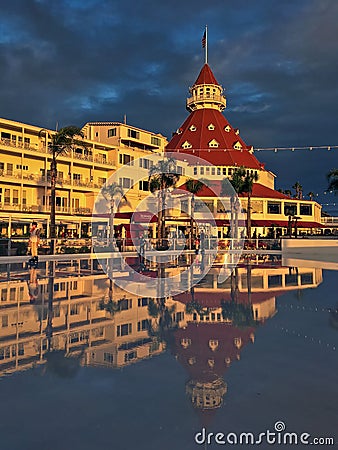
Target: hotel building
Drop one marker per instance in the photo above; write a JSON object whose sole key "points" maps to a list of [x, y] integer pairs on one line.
{"points": [[25, 174], [108, 146]]}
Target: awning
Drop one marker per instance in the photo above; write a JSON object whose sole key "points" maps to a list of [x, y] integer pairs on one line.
{"points": [[144, 217], [285, 224]]}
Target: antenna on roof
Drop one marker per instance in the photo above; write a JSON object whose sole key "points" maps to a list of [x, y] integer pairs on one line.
{"points": [[205, 43], [125, 119], [56, 126]]}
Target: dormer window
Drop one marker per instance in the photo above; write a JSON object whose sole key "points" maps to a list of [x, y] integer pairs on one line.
{"points": [[211, 363], [186, 144], [227, 128], [227, 361], [237, 131], [185, 342], [238, 342], [179, 131], [211, 126], [192, 361], [213, 344], [192, 128], [237, 145], [213, 144]]}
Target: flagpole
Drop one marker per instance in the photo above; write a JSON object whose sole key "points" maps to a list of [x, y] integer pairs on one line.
{"points": [[206, 44]]}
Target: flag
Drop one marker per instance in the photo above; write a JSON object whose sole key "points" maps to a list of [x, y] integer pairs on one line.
{"points": [[204, 39]]}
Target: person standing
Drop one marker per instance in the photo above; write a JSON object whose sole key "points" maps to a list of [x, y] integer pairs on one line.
{"points": [[33, 286], [34, 238]]}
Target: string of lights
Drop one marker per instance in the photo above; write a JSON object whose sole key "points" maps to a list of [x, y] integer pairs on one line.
{"points": [[292, 149]]}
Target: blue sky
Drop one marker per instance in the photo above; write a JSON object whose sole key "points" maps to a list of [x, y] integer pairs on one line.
{"points": [[76, 61]]}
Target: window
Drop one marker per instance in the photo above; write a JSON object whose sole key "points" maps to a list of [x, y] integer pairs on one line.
{"points": [[201, 170], [101, 180], [7, 196], [155, 141], [15, 196], [224, 170], [143, 301], [227, 128], [213, 144], [290, 209], [77, 176], [218, 171], [143, 185], [4, 321], [9, 169], [192, 128], [291, 280], [195, 170], [179, 316], [186, 144], [211, 126], [126, 183], [145, 163], [126, 159], [108, 357], [305, 210], [143, 325], [274, 208], [133, 134], [112, 132], [124, 330], [74, 310], [12, 294], [179, 170], [125, 304], [306, 278], [237, 145], [130, 356]]}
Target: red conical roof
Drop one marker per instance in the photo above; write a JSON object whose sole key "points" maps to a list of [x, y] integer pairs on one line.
{"points": [[210, 125], [205, 76]]}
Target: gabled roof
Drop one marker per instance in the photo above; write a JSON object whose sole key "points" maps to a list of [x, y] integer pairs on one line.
{"points": [[205, 76]]}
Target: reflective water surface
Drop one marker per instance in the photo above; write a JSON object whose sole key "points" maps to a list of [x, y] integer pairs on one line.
{"points": [[86, 364]]}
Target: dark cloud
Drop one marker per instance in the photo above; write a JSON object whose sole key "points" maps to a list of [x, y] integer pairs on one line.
{"points": [[73, 61]]}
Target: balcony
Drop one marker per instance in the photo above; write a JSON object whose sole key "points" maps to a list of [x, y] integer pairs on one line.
{"points": [[23, 145], [41, 148]]}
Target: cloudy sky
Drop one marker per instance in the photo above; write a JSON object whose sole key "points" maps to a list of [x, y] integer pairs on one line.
{"points": [[72, 61]]}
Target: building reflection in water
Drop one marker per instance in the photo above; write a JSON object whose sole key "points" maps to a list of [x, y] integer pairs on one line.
{"points": [[78, 319]]}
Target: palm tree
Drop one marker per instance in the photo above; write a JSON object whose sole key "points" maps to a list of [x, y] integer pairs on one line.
{"points": [[60, 143], [332, 178], [162, 176], [287, 192], [236, 183], [113, 193], [299, 190], [194, 187], [242, 182], [311, 195]]}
